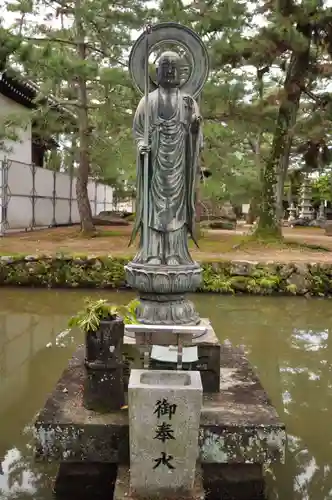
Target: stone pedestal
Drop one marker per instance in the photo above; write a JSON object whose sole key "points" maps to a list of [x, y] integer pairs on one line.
{"points": [[164, 417], [239, 431], [163, 292]]}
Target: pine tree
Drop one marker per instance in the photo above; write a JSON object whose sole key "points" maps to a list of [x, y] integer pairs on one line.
{"points": [[289, 39], [77, 54]]}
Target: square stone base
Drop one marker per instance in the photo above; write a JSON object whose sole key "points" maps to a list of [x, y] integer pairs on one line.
{"points": [[91, 481], [122, 489], [238, 424]]}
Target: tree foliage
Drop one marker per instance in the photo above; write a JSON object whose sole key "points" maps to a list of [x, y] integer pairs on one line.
{"points": [[266, 105], [75, 51]]}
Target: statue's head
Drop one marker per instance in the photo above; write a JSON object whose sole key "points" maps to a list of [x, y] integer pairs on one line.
{"points": [[168, 71]]}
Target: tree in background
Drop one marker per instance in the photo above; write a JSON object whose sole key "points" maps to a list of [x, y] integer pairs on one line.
{"points": [[75, 51], [274, 52], [265, 105]]}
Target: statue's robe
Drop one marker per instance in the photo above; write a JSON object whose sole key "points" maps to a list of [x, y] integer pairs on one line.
{"points": [[173, 165]]}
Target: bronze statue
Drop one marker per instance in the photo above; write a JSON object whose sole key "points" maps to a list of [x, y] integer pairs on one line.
{"points": [[175, 141], [168, 132]]}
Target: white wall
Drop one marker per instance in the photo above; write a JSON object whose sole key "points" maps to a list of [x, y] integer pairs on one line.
{"points": [[20, 150], [31, 189]]}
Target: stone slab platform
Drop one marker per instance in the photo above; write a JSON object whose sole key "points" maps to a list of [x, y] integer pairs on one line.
{"points": [[238, 424], [122, 488]]}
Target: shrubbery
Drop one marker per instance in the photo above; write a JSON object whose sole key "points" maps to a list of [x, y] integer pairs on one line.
{"points": [[220, 277]]}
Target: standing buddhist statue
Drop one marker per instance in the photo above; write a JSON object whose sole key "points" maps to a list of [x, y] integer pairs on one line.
{"points": [[168, 133], [175, 141]]}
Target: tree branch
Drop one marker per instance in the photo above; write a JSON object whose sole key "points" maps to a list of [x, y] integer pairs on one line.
{"points": [[74, 43], [76, 104]]}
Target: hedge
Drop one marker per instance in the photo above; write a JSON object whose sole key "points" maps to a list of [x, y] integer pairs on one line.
{"points": [[232, 277]]}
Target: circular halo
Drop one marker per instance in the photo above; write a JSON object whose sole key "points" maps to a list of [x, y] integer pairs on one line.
{"points": [[188, 56], [176, 34]]}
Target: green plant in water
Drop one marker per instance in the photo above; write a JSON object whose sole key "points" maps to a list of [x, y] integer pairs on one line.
{"points": [[95, 311], [129, 312], [291, 288]]}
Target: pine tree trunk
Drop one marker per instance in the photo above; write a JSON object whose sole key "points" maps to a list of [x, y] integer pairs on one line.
{"points": [[268, 226], [284, 161], [269, 217], [83, 203]]}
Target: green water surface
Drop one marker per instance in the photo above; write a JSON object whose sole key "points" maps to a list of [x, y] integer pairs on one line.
{"points": [[288, 341]]}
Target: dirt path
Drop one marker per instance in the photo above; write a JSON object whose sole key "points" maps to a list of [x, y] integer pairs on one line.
{"points": [[221, 245]]}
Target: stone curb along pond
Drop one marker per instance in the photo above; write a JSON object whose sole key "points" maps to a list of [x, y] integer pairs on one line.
{"points": [[230, 277]]}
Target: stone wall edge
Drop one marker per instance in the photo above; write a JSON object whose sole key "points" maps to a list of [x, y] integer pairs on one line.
{"points": [[219, 276]]}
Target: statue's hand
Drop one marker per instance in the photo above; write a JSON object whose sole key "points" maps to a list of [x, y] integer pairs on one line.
{"points": [[196, 121], [144, 149]]}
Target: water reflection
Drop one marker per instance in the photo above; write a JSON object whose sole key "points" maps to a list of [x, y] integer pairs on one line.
{"points": [[291, 348], [288, 340], [32, 354]]}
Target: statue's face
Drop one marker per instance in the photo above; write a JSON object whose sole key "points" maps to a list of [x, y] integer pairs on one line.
{"points": [[168, 71]]}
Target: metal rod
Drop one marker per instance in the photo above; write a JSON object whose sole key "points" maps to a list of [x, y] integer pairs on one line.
{"points": [[179, 355], [146, 361], [3, 195], [148, 30]]}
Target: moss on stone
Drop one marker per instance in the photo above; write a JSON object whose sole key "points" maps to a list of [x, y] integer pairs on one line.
{"points": [[241, 283], [236, 277]]}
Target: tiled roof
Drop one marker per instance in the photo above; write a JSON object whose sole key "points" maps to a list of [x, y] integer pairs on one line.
{"points": [[24, 92]]}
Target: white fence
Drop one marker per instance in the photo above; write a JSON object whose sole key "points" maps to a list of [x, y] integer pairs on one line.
{"points": [[32, 197]]}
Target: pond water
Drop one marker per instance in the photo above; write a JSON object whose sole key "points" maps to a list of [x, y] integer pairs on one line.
{"points": [[288, 341]]}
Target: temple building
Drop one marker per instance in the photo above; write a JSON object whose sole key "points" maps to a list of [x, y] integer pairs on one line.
{"points": [[16, 97]]}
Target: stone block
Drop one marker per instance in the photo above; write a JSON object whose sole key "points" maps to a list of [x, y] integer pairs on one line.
{"points": [[164, 416], [103, 384], [238, 424], [103, 389], [104, 346], [123, 491], [85, 481]]}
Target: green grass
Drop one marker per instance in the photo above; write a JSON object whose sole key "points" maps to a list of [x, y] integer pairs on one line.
{"points": [[104, 233], [225, 244], [69, 242]]}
